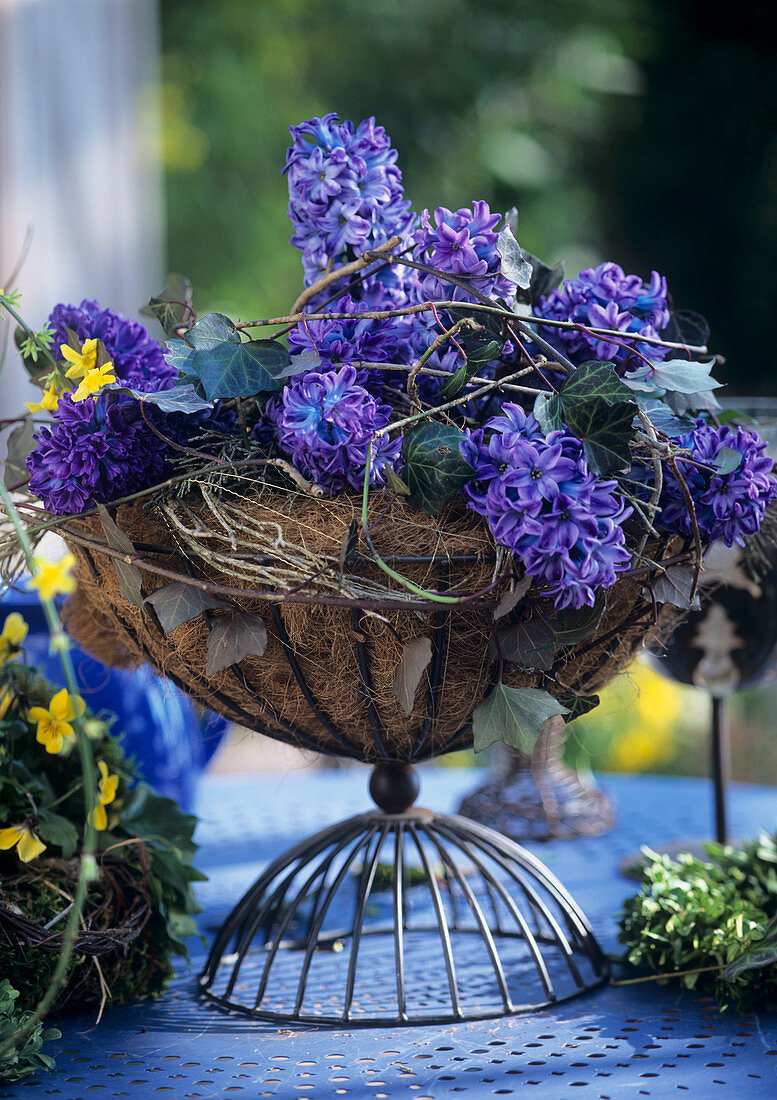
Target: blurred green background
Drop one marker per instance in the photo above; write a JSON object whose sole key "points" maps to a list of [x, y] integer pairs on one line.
{"points": [[641, 131]]}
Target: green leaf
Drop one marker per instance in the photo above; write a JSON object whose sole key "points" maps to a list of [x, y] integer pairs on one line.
{"points": [[395, 482], [683, 376], [727, 460], [348, 544], [578, 705], [172, 306], [19, 445], [512, 598], [513, 715], [594, 381], [434, 466], [232, 638], [234, 369], [515, 265], [605, 432], [210, 331], [763, 953], [575, 626], [544, 279], [529, 643], [57, 830], [128, 575], [415, 658], [178, 603], [674, 587], [181, 398]]}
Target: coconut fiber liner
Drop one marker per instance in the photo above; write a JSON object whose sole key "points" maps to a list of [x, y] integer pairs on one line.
{"points": [[322, 703]]}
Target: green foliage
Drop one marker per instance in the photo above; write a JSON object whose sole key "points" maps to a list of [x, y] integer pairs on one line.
{"points": [[216, 358], [147, 834], [709, 925], [20, 1062], [598, 408], [513, 715], [172, 307], [434, 466]]}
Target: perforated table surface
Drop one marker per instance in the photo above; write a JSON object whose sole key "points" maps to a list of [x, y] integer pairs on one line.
{"points": [[618, 1042]]}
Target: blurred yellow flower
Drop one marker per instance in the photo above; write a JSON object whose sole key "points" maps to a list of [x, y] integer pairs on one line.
{"points": [[93, 381], [81, 362], [27, 844], [106, 792], [54, 726], [48, 402], [12, 637], [53, 578]]}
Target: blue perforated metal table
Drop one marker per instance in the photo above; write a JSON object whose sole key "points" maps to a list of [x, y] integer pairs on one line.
{"points": [[620, 1042]]}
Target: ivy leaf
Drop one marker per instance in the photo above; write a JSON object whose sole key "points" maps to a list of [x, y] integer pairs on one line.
{"points": [[515, 266], [299, 364], [577, 705], [683, 376], [172, 306], [210, 331], [182, 398], [56, 829], [529, 644], [434, 469], [593, 381], [544, 279], [726, 461], [605, 432], [704, 401], [20, 444], [179, 602], [674, 587], [575, 626], [513, 715], [232, 638], [240, 370], [128, 575], [686, 327], [662, 418], [415, 658], [510, 600]]}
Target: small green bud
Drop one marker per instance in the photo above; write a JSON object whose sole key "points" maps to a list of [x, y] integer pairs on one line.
{"points": [[60, 642], [90, 869]]}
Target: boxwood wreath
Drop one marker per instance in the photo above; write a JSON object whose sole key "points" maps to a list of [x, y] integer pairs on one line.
{"points": [[448, 472], [139, 907]]}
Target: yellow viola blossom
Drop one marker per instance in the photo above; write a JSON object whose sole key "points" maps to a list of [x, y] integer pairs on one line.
{"points": [[53, 578], [106, 792], [6, 699], [27, 844], [81, 362], [47, 403], [54, 726], [12, 637], [93, 382]]}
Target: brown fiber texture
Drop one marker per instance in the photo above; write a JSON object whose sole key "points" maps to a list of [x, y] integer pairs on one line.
{"points": [[311, 690]]}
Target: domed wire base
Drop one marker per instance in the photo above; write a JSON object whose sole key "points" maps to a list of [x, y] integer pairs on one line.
{"points": [[400, 918]]}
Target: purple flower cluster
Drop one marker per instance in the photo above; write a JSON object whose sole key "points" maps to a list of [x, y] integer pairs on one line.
{"points": [[325, 421], [326, 424], [542, 503], [728, 506], [97, 450], [605, 297], [345, 190], [365, 339], [137, 359], [464, 244]]}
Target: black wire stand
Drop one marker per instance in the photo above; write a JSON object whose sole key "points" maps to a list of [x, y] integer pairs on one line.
{"points": [[402, 916]]}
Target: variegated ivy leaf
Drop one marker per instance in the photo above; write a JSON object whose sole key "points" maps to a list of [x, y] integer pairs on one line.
{"points": [[513, 715], [179, 602]]}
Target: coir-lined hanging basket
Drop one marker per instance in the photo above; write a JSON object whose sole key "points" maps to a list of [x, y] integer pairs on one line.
{"points": [[337, 626]]}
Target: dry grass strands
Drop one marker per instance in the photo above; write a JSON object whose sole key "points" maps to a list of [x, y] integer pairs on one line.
{"points": [[325, 680]]}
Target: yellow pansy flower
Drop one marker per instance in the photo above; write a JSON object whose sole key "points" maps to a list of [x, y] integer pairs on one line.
{"points": [[48, 402], [93, 382], [54, 726], [6, 699], [81, 362], [28, 845], [106, 792], [13, 634], [52, 578]]}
